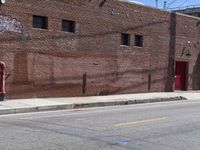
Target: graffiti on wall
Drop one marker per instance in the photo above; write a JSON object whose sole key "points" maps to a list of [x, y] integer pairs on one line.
{"points": [[7, 23]]}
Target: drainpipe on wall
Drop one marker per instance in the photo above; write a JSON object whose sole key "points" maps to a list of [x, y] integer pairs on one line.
{"points": [[2, 81], [84, 84], [171, 55]]}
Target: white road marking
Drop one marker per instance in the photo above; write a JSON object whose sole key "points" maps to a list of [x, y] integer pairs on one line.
{"points": [[81, 119]]}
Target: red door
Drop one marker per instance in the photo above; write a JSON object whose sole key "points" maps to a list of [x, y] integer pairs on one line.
{"points": [[181, 75]]}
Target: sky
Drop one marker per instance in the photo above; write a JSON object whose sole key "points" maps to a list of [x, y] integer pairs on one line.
{"points": [[170, 3]]}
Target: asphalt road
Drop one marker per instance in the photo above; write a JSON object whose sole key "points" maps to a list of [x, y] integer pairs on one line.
{"points": [[155, 126]]}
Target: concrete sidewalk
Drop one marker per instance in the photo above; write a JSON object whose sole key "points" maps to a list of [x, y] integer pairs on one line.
{"points": [[46, 104]]}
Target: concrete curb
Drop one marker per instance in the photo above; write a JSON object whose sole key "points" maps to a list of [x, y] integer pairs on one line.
{"points": [[87, 105], [127, 102]]}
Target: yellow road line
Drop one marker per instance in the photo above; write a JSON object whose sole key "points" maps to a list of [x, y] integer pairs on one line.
{"points": [[141, 121]]}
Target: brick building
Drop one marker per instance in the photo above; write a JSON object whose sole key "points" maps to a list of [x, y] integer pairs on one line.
{"points": [[55, 48]]}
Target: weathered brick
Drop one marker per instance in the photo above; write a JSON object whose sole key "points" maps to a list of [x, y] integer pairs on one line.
{"points": [[51, 63]]}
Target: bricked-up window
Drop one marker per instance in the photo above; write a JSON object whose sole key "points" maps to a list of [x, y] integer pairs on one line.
{"points": [[139, 40], [68, 26], [125, 39], [40, 22]]}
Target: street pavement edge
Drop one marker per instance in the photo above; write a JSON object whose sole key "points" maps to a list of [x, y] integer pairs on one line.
{"points": [[88, 105]]}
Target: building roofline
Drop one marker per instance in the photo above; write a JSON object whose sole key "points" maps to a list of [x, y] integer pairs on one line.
{"points": [[185, 8], [189, 16], [162, 10], [147, 6]]}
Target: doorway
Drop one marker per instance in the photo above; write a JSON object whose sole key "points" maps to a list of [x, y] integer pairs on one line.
{"points": [[181, 73]]}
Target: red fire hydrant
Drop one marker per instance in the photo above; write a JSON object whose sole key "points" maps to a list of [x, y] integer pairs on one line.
{"points": [[2, 81]]}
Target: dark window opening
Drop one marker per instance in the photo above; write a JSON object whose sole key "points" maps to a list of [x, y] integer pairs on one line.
{"points": [[125, 39], [139, 40], [68, 26], [40, 22]]}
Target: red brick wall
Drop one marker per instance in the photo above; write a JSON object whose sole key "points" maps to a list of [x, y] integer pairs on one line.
{"points": [[188, 37], [51, 63]]}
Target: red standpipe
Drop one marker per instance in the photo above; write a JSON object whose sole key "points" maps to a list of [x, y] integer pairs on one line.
{"points": [[2, 81]]}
